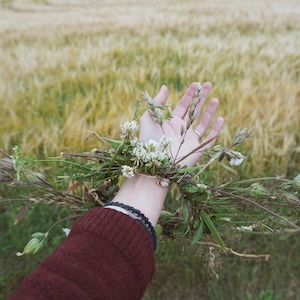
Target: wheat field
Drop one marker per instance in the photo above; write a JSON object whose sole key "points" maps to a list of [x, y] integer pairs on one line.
{"points": [[70, 66], [67, 67]]}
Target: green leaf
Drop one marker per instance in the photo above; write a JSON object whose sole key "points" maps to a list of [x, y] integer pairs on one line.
{"points": [[39, 235], [113, 143], [198, 234], [168, 115], [165, 213], [158, 229], [137, 107], [185, 211], [196, 224], [190, 188], [212, 228]]}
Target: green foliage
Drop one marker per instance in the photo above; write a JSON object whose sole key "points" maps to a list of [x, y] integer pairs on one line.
{"points": [[13, 238], [182, 276]]}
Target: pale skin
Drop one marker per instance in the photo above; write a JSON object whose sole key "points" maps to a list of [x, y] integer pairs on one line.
{"points": [[144, 193]]}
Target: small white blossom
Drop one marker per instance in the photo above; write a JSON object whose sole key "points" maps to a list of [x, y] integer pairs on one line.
{"points": [[165, 182], [129, 129], [226, 219], [236, 161], [152, 146], [151, 153], [127, 171], [236, 158], [246, 228], [66, 231], [165, 143], [135, 142]]}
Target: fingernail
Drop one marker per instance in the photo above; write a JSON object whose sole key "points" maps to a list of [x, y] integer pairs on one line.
{"points": [[163, 86]]}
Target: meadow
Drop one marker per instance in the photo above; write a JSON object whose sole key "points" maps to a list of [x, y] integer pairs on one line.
{"points": [[67, 67]]}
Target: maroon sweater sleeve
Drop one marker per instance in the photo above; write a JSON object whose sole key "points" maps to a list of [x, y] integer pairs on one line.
{"points": [[107, 255]]}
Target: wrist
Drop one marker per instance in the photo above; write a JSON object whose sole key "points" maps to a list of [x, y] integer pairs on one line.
{"points": [[145, 194]]}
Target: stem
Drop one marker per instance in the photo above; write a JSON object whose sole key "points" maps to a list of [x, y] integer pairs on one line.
{"points": [[5, 154], [196, 149], [115, 155], [62, 220], [207, 164], [256, 179], [63, 161], [213, 189]]}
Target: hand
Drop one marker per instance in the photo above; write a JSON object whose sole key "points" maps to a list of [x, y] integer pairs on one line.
{"points": [[149, 129], [143, 192]]}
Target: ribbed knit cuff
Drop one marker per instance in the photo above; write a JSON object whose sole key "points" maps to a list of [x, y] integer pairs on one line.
{"points": [[123, 232], [137, 215]]}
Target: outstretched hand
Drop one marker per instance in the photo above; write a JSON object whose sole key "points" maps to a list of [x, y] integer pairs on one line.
{"points": [[149, 129], [143, 192]]}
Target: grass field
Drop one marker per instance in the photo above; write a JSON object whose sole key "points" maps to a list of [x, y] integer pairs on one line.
{"points": [[70, 66]]}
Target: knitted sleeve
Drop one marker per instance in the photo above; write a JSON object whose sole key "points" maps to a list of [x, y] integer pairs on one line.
{"points": [[107, 255]]}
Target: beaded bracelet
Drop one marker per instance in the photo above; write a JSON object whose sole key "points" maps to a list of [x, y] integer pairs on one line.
{"points": [[140, 217]]}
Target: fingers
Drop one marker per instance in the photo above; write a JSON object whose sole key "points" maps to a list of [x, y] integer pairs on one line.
{"points": [[205, 89], [162, 96], [215, 131], [183, 106], [207, 116]]}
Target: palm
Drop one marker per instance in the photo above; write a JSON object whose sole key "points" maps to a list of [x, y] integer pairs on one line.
{"points": [[149, 129]]}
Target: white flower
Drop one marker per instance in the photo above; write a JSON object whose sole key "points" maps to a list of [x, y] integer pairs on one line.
{"points": [[226, 219], [165, 143], [151, 153], [236, 161], [138, 153], [165, 182], [246, 228], [127, 171], [236, 158], [66, 231], [135, 142], [152, 146], [129, 129]]}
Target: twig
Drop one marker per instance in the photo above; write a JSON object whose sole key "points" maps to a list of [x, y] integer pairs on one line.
{"points": [[196, 149], [62, 220], [5, 154], [230, 251]]}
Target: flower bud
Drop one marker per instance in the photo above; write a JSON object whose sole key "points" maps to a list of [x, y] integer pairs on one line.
{"points": [[257, 190], [35, 244], [296, 182], [94, 150], [164, 182], [32, 247]]}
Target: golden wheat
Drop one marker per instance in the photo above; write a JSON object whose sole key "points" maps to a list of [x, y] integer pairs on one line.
{"points": [[70, 66]]}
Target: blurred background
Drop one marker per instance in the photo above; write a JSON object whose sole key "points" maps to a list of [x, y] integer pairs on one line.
{"points": [[67, 67]]}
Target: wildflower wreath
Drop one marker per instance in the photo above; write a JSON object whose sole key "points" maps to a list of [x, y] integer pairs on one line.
{"points": [[204, 213]]}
